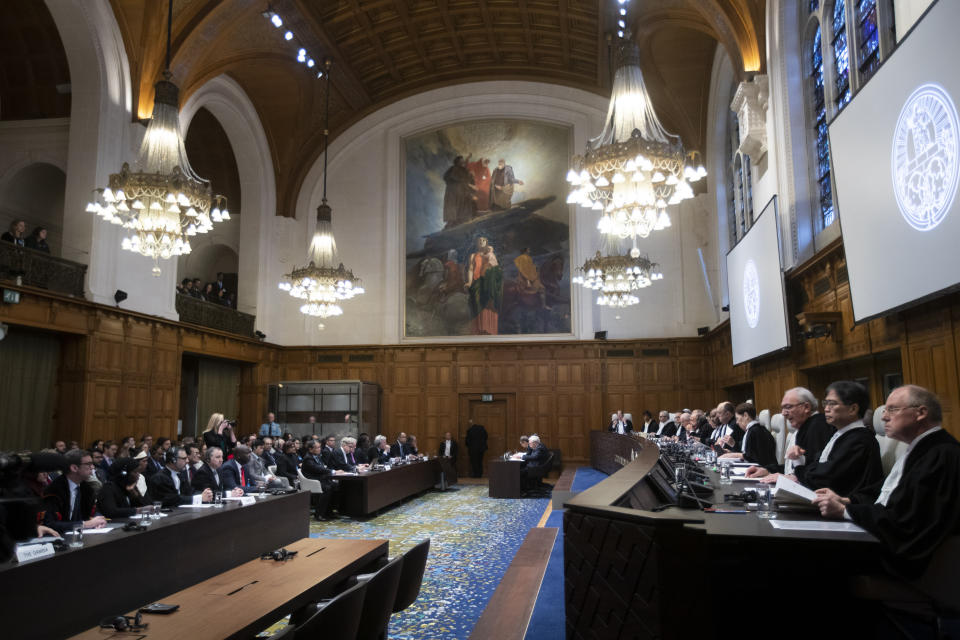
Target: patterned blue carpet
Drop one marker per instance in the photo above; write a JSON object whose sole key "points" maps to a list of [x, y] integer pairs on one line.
{"points": [[473, 541]]}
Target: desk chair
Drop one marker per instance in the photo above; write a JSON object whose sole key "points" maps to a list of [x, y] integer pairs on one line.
{"points": [[776, 429], [890, 449], [533, 479], [335, 619], [378, 601], [411, 577], [318, 499]]}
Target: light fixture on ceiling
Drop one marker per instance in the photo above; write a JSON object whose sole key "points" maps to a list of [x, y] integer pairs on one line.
{"points": [[165, 202], [634, 169], [617, 278], [320, 284]]}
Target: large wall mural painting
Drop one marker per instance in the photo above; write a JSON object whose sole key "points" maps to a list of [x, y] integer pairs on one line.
{"points": [[487, 230]]}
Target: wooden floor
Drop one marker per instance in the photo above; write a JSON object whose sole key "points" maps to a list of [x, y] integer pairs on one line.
{"points": [[508, 612]]}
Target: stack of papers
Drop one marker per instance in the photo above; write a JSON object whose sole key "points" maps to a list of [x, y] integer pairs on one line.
{"points": [[816, 525], [789, 492]]}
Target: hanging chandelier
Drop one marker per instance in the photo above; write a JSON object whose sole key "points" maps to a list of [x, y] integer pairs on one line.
{"points": [[319, 284], [165, 202], [634, 169], [617, 277]]}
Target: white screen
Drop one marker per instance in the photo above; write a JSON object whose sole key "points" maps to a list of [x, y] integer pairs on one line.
{"points": [[896, 170], [758, 312]]}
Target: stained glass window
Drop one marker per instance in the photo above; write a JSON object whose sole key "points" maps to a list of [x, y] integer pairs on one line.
{"points": [[820, 131], [868, 37], [841, 55]]}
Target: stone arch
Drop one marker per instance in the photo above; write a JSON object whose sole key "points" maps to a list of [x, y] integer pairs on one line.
{"points": [[232, 108], [34, 193]]}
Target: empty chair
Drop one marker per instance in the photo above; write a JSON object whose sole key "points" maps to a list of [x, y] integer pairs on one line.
{"points": [[317, 497], [378, 601], [629, 417], [764, 418], [335, 619], [411, 577], [776, 428]]}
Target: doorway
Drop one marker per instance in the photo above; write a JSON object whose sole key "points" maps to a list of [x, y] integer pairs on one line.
{"points": [[496, 414]]}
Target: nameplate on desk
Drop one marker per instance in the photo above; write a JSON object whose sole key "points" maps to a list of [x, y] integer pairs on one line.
{"points": [[246, 501], [26, 552]]}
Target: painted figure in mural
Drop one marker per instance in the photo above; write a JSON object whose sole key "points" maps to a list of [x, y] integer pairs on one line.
{"points": [[452, 276], [502, 182], [480, 170], [459, 198], [528, 282], [485, 288]]}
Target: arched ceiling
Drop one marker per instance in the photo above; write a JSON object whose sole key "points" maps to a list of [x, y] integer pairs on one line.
{"points": [[385, 50]]}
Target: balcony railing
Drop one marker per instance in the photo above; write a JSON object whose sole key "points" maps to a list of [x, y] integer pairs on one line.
{"points": [[214, 316], [39, 269]]}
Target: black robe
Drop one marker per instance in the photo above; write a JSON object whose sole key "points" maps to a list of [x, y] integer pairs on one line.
{"points": [[922, 511], [761, 448], [812, 436], [854, 465]]}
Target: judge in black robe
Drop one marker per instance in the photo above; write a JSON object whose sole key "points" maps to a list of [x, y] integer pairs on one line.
{"points": [[758, 445], [853, 465], [812, 436]]}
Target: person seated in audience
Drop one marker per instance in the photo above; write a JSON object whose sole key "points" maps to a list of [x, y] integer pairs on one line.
{"points": [[448, 448], [759, 446], [314, 469], [850, 462], [342, 459], [363, 446], [208, 475], [193, 462], [142, 460], [533, 458], [400, 448], [287, 462], [918, 506], [379, 453], [69, 500], [120, 497], [728, 437], [257, 471], [183, 285], [197, 288], [168, 487], [412, 443], [666, 426], [222, 298], [99, 477], [164, 443], [60, 447], [329, 444], [36, 482], [270, 454], [799, 407], [209, 294], [15, 233], [155, 461], [127, 447], [232, 472], [37, 240]]}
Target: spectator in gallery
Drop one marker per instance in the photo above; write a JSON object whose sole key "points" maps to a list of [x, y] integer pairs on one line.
{"points": [[185, 286], [120, 497], [198, 288], [288, 461], [209, 294], [37, 240], [219, 287], [15, 234]]}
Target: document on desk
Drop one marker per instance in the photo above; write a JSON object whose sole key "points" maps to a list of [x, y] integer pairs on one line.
{"points": [[816, 525], [790, 492], [197, 506], [90, 532]]}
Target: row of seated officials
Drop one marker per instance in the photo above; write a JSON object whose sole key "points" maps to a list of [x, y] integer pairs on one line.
{"points": [[912, 510], [95, 487]]}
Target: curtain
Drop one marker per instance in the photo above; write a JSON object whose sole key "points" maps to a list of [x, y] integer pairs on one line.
{"points": [[28, 389], [218, 391]]}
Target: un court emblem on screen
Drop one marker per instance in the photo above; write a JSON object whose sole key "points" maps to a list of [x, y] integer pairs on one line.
{"points": [[751, 294], [924, 163]]}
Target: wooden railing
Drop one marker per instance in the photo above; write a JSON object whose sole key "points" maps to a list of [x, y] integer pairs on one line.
{"points": [[214, 316], [39, 269]]}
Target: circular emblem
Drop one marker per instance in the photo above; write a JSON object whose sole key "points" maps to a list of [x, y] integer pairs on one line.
{"points": [[751, 294], [924, 161]]}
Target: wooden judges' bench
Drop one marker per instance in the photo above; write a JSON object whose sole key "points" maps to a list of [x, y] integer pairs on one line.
{"points": [[120, 571], [634, 572]]}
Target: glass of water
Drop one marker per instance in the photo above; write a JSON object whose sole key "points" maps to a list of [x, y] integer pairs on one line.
{"points": [[725, 467], [156, 510], [218, 499], [75, 537], [765, 507]]}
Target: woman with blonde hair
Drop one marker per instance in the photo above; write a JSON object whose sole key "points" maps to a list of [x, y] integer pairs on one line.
{"points": [[219, 434]]}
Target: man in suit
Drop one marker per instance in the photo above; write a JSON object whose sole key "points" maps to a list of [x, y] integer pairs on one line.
{"points": [[269, 454], [476, 442], [379, 453], [70, 500], [232, 472], [208, 477], [342, 458], [400, 448], [535, 457], [619, 424], [850, 462], [666, 426], [155, 462], [759, 446], [448, 448], [314, 468], [329, 444], [257, 471], [916, 509], [168, 485], [109, 453], [726, 438], [193, 462]]}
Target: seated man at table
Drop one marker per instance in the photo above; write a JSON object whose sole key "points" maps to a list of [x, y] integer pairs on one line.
{"points": [[379, 453], [314, 469], [919, 502], [850, 462], [287, 462], [728, 437], [799, 407], [168, 485], [400, 448], [342, 458], [535, 457], [759, 447], [448, 448], [232, 472], [208, 477], [70, 500], [256, 469], [329, 445]]}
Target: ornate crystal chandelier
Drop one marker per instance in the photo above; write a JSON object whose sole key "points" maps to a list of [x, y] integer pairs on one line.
{"points": [[319, 284], [164, 203], [617, 277], [634, 169]]}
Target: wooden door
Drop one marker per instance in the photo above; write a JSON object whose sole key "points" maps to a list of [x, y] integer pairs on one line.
{"points": [[496, 417]]}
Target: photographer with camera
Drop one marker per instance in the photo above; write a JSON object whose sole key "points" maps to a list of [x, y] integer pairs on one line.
{"points": [[220, 433]]}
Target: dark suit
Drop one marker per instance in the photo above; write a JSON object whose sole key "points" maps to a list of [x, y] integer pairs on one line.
{"points": [[162, 488], [532, 459], [627, 426], [341, 462], [378, 455], [325, 452], [443, 447], [287, 467], [314, 468], [398, 450], [56, 504], [207, 477], [231, 477], [477, 445], [761, 448], [116, 502], [153, 466]]}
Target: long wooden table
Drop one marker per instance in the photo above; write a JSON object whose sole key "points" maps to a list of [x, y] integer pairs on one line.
{"points": [[504, 478], [60, 595], [367, 493], [247, 599]]}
